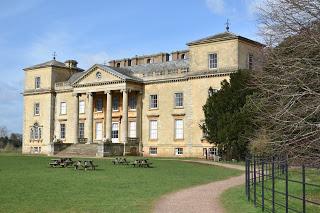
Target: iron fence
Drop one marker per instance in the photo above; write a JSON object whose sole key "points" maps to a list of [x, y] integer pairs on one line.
{"points": [[276, 185]]}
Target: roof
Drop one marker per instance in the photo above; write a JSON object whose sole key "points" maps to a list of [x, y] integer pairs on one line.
{"points": [[222, 37], [52, 63], [122, 73], [163, 66]]}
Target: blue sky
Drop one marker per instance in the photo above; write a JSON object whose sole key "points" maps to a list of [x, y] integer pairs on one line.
{"points": [[100, 30]]}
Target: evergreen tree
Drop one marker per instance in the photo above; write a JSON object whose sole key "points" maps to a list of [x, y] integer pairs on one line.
{"points": [[228, 120]]}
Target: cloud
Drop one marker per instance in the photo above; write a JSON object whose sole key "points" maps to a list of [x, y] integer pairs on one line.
{"points": [[254, 5], [16, 7], [216, 6]]}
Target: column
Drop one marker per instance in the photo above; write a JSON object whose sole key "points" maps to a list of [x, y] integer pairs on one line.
{"points": [[90, 117], [124, 121], [108, 115], [75, 118], [139, 119]]}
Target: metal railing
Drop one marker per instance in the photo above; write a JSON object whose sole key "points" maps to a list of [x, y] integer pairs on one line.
{"points": [[268, 182]]}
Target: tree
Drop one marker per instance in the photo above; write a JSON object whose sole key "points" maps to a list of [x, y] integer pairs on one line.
{"points": [[289, 83], [228, 121]]}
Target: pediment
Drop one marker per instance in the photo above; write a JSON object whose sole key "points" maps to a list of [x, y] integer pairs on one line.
{"points": [[97, 74]]}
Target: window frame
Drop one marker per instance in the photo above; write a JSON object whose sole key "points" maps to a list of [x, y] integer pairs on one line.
{"points": [[99, 103], [175, 129], [62, 133], [151, 130], [61, 104], [132, 102], [113, 103], [153, 149], [215, 62], [151, 102], [131, 129], [36, 110], [84, 107], [178, 151], [37, 84], [100, 131], [181, 99], [114, 131], [81, 130], [250, 61]]}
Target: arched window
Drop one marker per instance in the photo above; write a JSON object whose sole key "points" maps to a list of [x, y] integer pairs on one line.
{"points": [[183, 56], [118, 64]]}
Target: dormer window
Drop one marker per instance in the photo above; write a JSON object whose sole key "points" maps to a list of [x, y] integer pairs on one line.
{"points": [[149, 61], [118, 64], [37, 82]]}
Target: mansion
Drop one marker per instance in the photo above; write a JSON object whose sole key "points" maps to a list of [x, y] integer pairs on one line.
{"points": [[155, 100]]}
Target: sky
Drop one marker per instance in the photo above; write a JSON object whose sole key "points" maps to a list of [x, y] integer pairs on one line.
{"points": [[97, 31]]}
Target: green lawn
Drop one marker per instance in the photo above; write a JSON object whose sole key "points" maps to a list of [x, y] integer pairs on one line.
{"points": [[27, 184], [234, 199]]}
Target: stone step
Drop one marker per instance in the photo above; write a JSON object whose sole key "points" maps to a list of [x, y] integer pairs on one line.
{"points": [[81, 150]]}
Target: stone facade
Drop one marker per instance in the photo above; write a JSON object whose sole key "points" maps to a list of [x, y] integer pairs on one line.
{"points": [[153, 100]]}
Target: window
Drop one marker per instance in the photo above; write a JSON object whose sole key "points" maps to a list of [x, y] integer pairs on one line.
{"points": [[178, 99], [37, 82], [98, 131], [183, 56], [205, 152], [35, 132], [81, 130], [37, 109], [99, 105], [213, 61], [81, 107], [118, 64], [62, 131], [153, 134], [153, 151], [63, 108], [178, 151], [149, 61], [132, 129], [213, 151], [98, 75], [178, 126], [211, 91], [153, 101], [115, 103], [133, 102], [129, 63], [250, 61], [115, 132]]}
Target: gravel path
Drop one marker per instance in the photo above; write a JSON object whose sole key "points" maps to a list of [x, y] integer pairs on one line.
{"points": [[203, 198]]}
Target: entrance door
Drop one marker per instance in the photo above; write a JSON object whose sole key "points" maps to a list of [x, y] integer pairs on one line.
{"points": [[99, 131], [115, 132]]}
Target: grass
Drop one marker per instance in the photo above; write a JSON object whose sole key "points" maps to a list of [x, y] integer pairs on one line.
{"points": [[28, 185], [234, 199]]}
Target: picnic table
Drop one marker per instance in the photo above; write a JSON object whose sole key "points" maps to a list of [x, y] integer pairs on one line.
{"points": [[62, 162], [144, 163], [87, 164], [120, 161]]}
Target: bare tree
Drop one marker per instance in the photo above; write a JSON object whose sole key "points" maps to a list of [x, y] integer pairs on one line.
{"points": [[289, 85]]}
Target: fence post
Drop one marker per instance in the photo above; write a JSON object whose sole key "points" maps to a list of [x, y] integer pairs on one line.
{"points": [[249, 164], [262, 186], [272, 177], [254, 182], [287, 193], [246, 178], [303, 189]]}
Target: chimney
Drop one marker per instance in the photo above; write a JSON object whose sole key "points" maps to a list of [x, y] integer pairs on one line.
{"points": [[71, 63]]}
